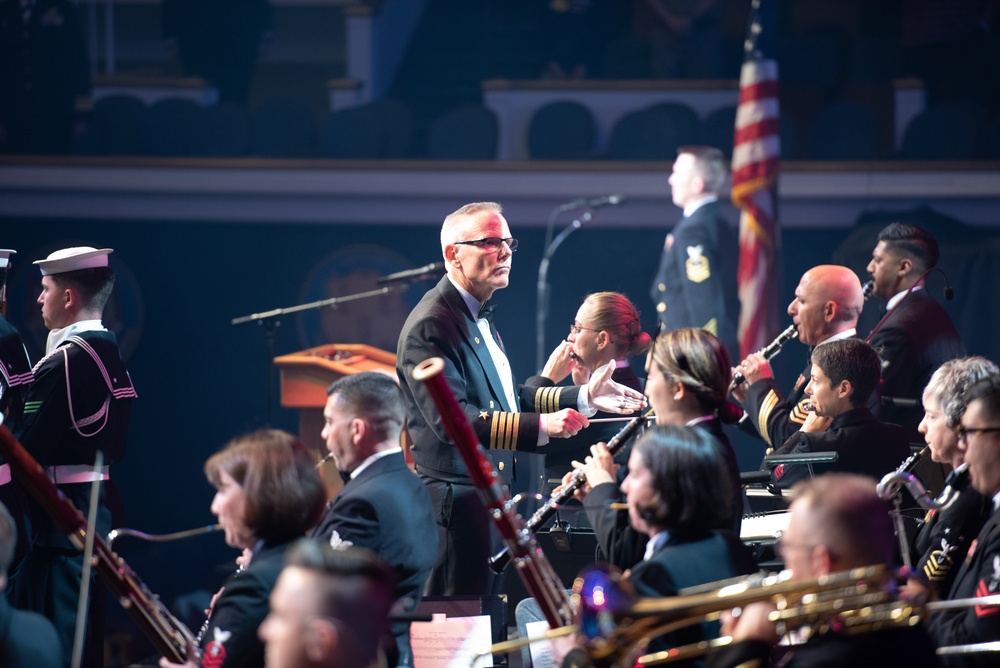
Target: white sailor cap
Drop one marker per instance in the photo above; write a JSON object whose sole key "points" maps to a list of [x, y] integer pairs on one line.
{"points": [[71, 259], [5, 254]]}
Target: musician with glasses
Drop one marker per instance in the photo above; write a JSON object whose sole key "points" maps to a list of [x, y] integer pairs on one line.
{"points": [[606, 330], [837, 522], [940, 546], [453, 322], [979, 439]]}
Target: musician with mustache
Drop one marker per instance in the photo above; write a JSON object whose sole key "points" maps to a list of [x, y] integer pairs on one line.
{"points": [[826, 307]]}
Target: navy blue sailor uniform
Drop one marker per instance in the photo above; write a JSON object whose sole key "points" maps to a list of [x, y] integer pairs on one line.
{"points": [[15, 374], [79, 403], [695, 284], [771, 417], [978, 576], [940, 546], [441, 325]]}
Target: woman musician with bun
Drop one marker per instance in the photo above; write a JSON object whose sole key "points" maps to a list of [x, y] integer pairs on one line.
{"points": [[943, 541], [688, 381], [606, 330], [268, 494]]}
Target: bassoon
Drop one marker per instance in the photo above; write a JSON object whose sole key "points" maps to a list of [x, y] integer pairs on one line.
{"points": [[168, 635], [536, 572]]}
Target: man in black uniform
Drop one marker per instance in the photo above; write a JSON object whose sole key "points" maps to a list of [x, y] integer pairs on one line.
{"points": [[451, 322], [695, 285], [979, 436], [15, 369], [844, 376], [916, 336], [78, 405], [383, 506], [826, 308], [837, 523]]}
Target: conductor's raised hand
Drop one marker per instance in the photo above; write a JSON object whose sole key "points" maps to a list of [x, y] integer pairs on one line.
{"points": [[611, 397]]}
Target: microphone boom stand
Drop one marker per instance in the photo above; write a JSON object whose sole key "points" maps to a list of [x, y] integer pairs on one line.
{"points": [[269, 321], [543, 283]]}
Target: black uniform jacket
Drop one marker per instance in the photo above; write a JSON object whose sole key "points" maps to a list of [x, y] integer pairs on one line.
{"points": [[864, 444], [441, 326]]}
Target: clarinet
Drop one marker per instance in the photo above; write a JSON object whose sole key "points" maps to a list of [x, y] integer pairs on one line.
{"points": [[498, 562], [867, 289], [768, 351], [536, 572]]}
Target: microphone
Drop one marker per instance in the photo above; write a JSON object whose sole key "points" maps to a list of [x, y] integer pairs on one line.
{"points": [[597, 203], [432, 270]]}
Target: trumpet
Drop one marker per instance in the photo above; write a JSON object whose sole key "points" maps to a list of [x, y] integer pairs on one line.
{"points": [[768, 351]]}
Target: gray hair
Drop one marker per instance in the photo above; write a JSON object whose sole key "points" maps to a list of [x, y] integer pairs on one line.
{"points": [[948, 385]]}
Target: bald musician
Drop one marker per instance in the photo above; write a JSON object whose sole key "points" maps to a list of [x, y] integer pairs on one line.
{"points": [[826, 307]]}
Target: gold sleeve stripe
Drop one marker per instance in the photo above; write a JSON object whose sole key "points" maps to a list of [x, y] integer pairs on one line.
{"points": [[503, 430], [799, 413], [770, 401], [547, 399]]}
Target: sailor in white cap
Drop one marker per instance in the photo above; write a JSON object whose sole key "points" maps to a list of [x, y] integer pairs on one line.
{"points": [[15, 368], [79, 404]]}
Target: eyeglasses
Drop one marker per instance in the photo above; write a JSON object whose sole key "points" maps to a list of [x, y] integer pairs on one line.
{"points": [[576, 329], [491, 243], [963, 432], [781, 545]]}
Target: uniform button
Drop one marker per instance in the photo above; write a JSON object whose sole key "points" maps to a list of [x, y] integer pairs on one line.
{"points": [[500, 466], [661, 307], [661, 287]]}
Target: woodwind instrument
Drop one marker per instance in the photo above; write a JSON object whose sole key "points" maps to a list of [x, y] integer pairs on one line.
{"points": [[168, 635], [498, 562], [535, 570], [768, 351], [867, 290]]}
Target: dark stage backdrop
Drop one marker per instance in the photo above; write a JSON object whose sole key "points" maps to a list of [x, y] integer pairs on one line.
{"points": [[202, 380]]}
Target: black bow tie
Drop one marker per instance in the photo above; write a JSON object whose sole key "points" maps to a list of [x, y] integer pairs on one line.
{"points": [[345, 476], [487, 312]]}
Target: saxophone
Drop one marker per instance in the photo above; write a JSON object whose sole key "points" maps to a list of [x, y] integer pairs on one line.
{"points": [[893, 483], [167, 633], [535, 570]]}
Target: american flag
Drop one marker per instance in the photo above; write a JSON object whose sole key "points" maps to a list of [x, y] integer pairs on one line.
{"points": [[756, 154]]}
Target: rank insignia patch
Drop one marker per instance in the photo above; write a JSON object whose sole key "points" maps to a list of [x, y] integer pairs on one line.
{"points": [[697, 265]]}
